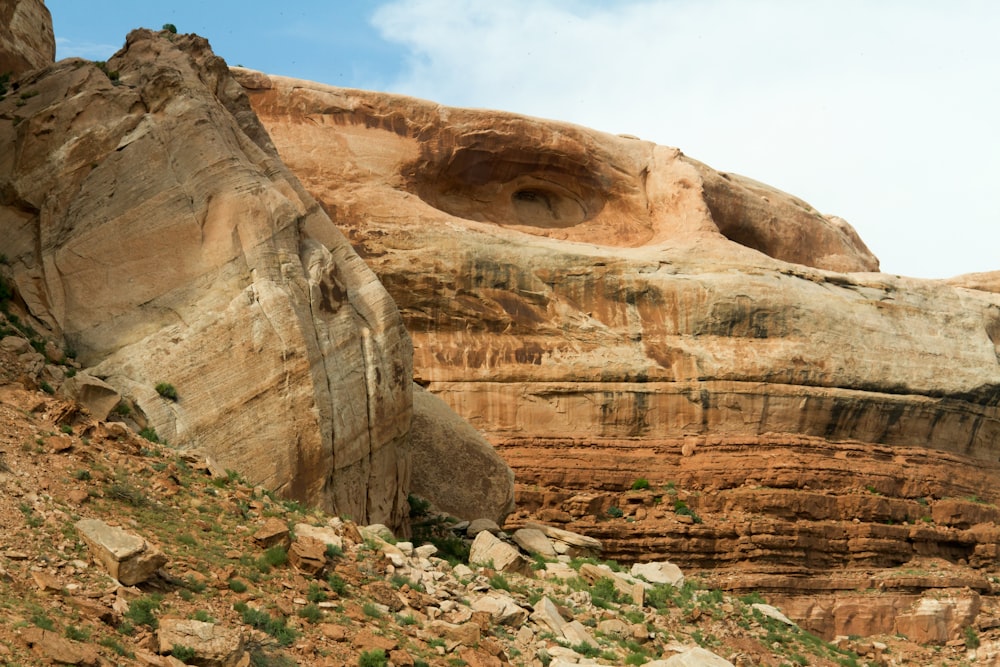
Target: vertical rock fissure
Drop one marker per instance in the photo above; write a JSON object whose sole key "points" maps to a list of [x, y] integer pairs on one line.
{"points": [[370, 398]]}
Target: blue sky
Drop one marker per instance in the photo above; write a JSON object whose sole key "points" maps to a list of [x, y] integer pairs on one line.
{"points": [[883, 113]]}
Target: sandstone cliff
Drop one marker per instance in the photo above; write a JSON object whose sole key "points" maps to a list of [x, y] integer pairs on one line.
{"points": [[26, 37], [610, 312], [560, 282], [149, 222]]}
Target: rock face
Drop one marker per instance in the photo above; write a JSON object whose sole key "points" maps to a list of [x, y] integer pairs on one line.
{"points": [[584, 287], [607, 310], [26, 37], [148, 221]]}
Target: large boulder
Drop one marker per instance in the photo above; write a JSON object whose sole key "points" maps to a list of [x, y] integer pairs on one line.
{"points": [[149, 221], [27, 40], [454, 466]]}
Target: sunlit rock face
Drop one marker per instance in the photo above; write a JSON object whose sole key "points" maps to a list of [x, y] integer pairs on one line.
{"points": [[564, 284], [609, 311], [148, 220], [26, 37]]}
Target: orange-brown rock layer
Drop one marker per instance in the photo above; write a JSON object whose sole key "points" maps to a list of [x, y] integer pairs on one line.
{"points": [[26, 38]]}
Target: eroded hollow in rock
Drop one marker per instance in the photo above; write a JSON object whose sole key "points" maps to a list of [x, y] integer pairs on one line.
{"points": [[511, 186]]}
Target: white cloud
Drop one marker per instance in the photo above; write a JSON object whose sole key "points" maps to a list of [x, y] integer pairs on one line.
{"points": [[883, 113], [68, 48]]}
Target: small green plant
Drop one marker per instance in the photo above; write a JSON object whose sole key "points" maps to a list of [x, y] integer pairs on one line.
{"points": [[67, 429], [182, 653], [373, 658], [77, 634], [371, 611], [149, 433], [127, 493], [46, 387], [40, 619], [275, 556], [681, 508], [640, 484], [311, 613], [166, 390], [276, 627], [116, 646], [123, 409], [237, 586], [141, 611], [203, 616], [418, 506], [499, 582], [334, 552], [170, 27], [337, 584], [615, 512], [316, 593], [971, 638]]}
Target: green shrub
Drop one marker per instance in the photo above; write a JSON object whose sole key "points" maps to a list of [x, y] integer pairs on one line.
{"points": [[311, 613], [77, 634], [971, 638], [615, 512], [337, 584], [316, 593], [203, 616], [237, 586], [182, 653], [40, 619], [166, 390], [140, 611], [371, 611], [149, 433], [374, 658], [47, 388], [276, 556], [276, 627], [639, 484], [170, 27]]}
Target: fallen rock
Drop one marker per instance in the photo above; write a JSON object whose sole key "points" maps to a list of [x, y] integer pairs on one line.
{"points": [[694, 657], [274, 532], [487, 550], [443, 443], [569, 543], [478, 525], [773, 612], [534, 541], [307, 555], [503, 609], [547, 615], [128, 558], [96, 395], [325, 534], [661, 572], [59, 649], [214, 645]]}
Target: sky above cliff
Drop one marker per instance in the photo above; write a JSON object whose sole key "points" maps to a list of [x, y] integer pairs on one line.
{"points": [[882, 113]]}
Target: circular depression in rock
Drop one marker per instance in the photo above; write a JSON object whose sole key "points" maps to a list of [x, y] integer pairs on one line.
{"points": [[512, 187]]}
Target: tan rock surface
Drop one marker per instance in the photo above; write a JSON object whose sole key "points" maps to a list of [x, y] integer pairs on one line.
{"points": [[454, 466], [592, 286], [605, 310], [26, 37], [153, 226]]}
